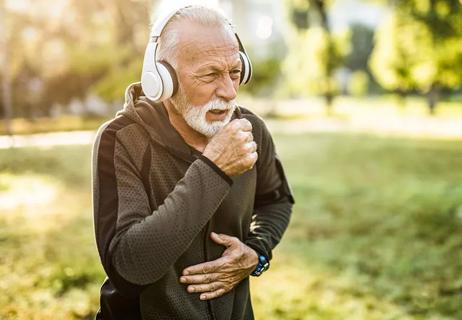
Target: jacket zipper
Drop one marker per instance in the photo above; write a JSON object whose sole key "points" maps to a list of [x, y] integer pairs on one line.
{"points": [[209, 304]]}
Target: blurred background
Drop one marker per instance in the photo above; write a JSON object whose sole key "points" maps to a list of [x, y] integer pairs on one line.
{"points": [[364, 100]]}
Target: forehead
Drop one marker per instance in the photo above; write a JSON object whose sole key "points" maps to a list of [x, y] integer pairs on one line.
{"points": [[199, 45]]}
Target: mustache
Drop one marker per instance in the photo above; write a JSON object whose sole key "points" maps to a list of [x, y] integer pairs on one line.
{"points": [[219, 104]]}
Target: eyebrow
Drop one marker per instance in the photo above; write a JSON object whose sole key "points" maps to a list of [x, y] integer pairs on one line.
{"points": [[216, 68]]}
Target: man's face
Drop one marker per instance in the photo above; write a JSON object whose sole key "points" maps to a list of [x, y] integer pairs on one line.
{"points": [[208, 69]]}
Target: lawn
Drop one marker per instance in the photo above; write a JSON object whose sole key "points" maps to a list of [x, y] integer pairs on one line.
{"points": [[376, 232]]}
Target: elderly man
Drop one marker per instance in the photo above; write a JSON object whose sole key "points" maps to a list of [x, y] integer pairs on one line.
{"points": [[189, 195]]}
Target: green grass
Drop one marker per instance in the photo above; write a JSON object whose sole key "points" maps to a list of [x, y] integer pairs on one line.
{"points": [[376, 232]]}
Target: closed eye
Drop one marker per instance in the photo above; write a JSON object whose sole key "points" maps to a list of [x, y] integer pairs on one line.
{"points": [[236, 73]]}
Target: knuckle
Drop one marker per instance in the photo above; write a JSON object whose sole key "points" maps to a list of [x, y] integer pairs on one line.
{"points": [[246, 122], [242, 137], [248, 136], [249, 160], [233, 124]]}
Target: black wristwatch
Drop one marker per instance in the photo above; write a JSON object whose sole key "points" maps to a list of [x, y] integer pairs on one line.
{"points": [[262, 266]]}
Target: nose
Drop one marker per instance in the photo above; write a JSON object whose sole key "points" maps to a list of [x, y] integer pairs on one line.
{"points": [[227, 89]]}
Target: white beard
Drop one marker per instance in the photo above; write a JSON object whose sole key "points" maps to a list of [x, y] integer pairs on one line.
{"points": [[195, 116]]}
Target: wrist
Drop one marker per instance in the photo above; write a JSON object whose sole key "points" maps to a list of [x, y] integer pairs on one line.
{"points": [[254, 258], [216, 168]]}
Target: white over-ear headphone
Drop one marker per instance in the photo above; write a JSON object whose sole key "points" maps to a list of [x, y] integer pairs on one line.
{"points": [[158, 78]]}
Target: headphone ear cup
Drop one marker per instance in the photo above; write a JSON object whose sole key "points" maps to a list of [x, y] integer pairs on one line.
{"points": [[160, 85], [151, 85], [169, 79], [246, 73]]}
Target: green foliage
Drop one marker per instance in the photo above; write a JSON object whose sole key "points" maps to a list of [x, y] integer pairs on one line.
{"points": [[420, 46], [308, 66], [358, 84], [265, 73], [74, 49], [391, 62], [314, 52]]}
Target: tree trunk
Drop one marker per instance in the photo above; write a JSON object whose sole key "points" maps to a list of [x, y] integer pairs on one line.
{"points": [[329, 95], [329, 99], [432, 98], [6, 76], [401, 96], [6, 99]]}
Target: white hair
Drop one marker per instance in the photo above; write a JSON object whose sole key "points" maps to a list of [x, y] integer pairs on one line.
{"points": [[201, 15]]}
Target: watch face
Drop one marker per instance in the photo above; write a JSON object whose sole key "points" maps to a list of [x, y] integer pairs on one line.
{"points": [[262, 266]]}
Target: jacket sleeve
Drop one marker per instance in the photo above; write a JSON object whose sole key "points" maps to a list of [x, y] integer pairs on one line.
{"points": [[273, 200], [142, 245]]}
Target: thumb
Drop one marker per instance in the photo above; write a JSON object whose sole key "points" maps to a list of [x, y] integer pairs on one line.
{"points": [[222, 239]]}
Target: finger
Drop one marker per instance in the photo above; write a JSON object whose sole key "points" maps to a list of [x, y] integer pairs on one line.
{"points": [[251, 146], [209, 287], [212, 295], [249, 136], [245, 125], [254, 157], [200, 279], [225, 239], [215, 237], [203, 268], [245, 136]]}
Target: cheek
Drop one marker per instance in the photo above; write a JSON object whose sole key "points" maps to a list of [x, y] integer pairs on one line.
{"points": [[201, 94], [236, 84]]}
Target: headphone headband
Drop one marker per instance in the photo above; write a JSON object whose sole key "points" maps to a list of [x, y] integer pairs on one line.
{"points": [[158, 79], [160, 24]]}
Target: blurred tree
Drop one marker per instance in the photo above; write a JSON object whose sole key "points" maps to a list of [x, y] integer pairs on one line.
{"points": [[265, 73], [391, 59], [420, 47], [70, 49], [362, 43], [6, 103], [111, 44], [359, 83], [314, 52]]}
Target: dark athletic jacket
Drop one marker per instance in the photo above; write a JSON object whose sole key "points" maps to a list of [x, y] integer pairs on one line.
{"points": [[156, 200]]}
